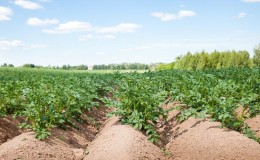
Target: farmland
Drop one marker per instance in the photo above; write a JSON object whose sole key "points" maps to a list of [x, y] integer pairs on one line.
{"points": [[47, 99]]}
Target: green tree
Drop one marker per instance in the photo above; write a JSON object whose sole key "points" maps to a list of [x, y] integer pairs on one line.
{"points": [[29, 66], [203, 60], [256, 58], [213, 59]]}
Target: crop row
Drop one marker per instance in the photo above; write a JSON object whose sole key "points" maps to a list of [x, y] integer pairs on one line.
{"points": [[214, 93], [56, 98], [48, 98]]}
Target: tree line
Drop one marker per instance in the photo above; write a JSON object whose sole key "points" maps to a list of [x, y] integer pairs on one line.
{"points": [[123, 66], [7, 65], [63, 67], [214, 60], [189, 61]]}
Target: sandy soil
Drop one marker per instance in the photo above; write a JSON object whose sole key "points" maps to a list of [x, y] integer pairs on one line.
{"points": [[254, 124], [25, 146], [122, 142], [63, 144], [8, 128], [204, 139], [103, 138]]}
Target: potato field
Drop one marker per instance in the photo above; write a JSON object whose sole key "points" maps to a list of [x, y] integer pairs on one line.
{"points": [[48, 99]]}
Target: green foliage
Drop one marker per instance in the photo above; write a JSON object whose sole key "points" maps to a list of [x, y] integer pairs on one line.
{"points": [[208, 92], [214, 60], [29, 66], [48, 98], [165, 66], [7, 65], [123, 66], [140, 102], [250, 133], [256, 58], [69, 67]]}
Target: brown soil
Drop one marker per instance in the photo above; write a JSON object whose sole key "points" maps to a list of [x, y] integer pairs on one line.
{"points": [[25, 146], [99, 138], [122, 142], [8, 128], [62, 144], [204, 139], [254, 124]]}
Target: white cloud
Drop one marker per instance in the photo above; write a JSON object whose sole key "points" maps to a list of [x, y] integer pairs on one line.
{"points": [[27, 4], [41, 22], [5, 13], [91, 36], [71, 26], [164, 16], [10, 44], [171, 17], [121, 28], [76, 26], [183, 14], [4, 44], [241, 15], [251, 1]]}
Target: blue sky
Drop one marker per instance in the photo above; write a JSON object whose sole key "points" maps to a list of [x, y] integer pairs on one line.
{"points": [[57, 32]]}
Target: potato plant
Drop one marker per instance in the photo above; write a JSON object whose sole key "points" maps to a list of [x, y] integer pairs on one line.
{"points": [[139, 103]]}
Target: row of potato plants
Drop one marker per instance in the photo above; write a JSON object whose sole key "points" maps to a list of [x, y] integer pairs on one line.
{"points": [[216, 93], [48, 98]]}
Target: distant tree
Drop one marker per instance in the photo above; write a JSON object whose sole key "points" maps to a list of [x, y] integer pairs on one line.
{"points": [[4, 65], [64, 67], [7, 65], [215, 60], [162, 67], [244, 59], [29, 66], [122, 66], [203, 60], [187, 61], [256, 58]]}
